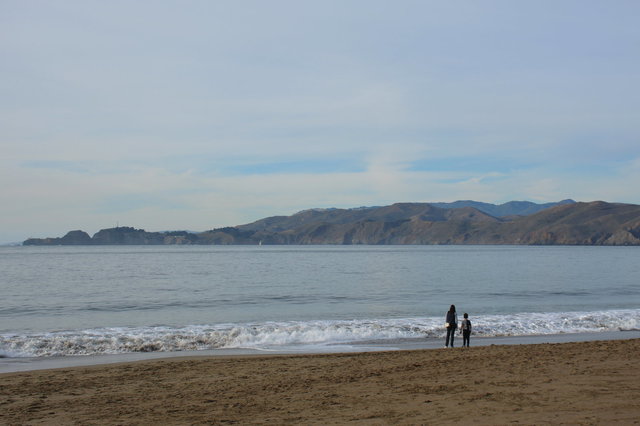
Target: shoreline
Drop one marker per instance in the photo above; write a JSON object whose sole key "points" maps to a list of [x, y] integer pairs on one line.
{"points": [[18, 364], [587, 382]]}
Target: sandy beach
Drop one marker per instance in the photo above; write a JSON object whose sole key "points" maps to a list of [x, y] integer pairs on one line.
{"points": [[594, 382]]}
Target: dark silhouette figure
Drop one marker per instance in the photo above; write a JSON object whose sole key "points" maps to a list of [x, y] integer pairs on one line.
{"points": [[451, 323], [465, 329]]}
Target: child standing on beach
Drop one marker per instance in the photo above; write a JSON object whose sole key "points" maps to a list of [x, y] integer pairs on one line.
{"points": [[465, 329]]}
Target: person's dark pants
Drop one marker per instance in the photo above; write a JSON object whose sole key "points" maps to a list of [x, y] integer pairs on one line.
{"points": [[466, 335], [451, 332]]}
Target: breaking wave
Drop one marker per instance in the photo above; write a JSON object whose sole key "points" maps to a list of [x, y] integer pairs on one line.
{"points": [[274, 335]]}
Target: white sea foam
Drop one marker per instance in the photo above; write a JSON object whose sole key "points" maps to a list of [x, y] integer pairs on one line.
{"points": [[272, 335]]}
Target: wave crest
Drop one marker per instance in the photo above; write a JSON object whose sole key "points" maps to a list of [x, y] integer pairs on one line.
{"points": [[273, 335]]}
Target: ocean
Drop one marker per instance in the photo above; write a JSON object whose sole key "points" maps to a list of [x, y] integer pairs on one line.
{"points": [[94, 300]]}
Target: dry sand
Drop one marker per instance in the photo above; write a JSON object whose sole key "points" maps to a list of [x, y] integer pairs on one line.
{"points": [[573, 383]]}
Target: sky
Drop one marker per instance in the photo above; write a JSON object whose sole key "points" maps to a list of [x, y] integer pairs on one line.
{"points": [[174, 115]]}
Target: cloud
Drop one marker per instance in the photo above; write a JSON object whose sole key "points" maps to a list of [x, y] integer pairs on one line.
{"points": [[201, 114]]}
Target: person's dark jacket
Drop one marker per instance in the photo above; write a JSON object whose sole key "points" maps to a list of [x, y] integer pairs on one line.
{"points": [[452, 319]]}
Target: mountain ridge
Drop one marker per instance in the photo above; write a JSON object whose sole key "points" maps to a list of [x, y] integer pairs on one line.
{"points": [[563, 223], [280, 223], [511, 208]]}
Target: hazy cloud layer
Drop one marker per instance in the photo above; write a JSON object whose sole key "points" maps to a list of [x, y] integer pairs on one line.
{"points": [[199, 114]]}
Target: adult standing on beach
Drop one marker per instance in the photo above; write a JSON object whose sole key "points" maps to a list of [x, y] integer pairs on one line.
{"points": [[451, 323]]}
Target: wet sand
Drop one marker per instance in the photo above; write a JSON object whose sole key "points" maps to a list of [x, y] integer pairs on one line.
{"points": [[594, 382]]}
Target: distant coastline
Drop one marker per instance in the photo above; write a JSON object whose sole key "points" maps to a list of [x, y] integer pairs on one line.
{"points": [[463, 222]]}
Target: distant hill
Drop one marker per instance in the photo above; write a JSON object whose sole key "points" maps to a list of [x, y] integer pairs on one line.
{"points": [[566, 223], [121, 235], [394, 212], [398, 211], [512, 208]]}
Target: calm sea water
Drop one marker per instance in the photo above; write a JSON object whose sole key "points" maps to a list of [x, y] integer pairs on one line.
{"points": [[95, 300]]}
